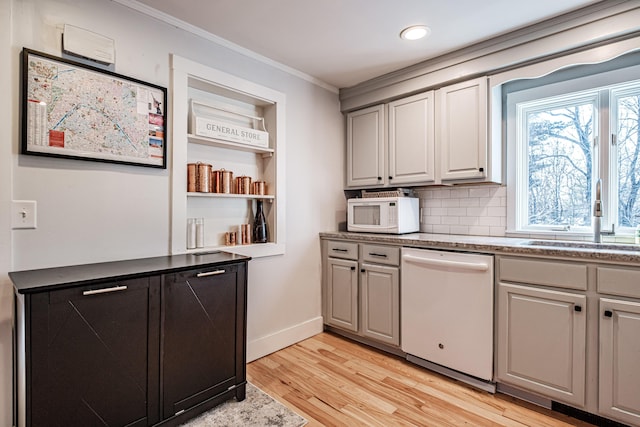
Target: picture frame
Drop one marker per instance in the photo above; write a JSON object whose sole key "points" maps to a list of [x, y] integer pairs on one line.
{"points": [[77, 111]]}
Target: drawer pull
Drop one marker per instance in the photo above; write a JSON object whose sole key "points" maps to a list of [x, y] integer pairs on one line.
{"points": [[378, 255], [210, 273], [104, 290], [608, 313], [339, 250], [458, 265]]}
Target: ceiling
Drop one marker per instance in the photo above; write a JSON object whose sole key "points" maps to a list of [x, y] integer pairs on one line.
{"points": [[345, 42]]}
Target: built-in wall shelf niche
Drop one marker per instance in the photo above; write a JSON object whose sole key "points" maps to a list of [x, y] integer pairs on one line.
{"points": [[222, 98]]}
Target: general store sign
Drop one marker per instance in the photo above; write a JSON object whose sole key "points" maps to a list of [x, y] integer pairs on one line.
{"points": [[220, 130]]}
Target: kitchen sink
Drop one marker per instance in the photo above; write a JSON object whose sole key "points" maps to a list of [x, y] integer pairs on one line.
{"points": [[583, 245]]}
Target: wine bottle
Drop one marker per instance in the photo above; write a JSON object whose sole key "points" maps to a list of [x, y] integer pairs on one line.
{"points": [[259, 225]]}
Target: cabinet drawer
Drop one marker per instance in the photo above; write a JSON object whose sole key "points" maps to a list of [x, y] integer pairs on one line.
{"points": [[381, 254], [346, 250], [548, 273], [619, 281], [100, 290]]}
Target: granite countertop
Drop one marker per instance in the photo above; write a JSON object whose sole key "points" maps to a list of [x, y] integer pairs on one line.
{"points": [[45, 279], [580, 250]]}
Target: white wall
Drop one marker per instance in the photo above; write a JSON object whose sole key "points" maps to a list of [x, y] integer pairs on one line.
{"points": [[6, 291], [92, 212]]}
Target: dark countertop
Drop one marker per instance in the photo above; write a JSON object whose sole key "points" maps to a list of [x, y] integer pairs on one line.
{"points": [[578, 250], [46, 279]]}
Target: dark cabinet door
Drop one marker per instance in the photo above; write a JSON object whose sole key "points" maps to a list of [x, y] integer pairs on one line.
{"points": [[93, 355], [203, 330]]}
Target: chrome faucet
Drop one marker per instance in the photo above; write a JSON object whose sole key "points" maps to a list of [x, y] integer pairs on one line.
{"points": [[597, 216]]}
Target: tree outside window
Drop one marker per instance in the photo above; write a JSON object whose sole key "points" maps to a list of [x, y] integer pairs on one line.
{"points": [[628, 161]]}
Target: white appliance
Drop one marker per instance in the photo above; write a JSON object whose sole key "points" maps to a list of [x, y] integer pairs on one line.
{"points": [[447, 313], [395, 215]]}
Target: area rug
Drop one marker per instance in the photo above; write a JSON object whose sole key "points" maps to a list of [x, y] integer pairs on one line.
{"points": [[258, 409]]}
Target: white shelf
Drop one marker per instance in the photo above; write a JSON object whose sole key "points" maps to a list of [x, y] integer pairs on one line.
{"points": [[229, 144], [231, 196]]}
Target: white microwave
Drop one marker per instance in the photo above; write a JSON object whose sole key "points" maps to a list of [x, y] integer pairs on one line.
{"points": [[395, 215]]}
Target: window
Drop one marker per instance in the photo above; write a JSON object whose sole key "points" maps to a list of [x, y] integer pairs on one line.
{"points": [[565, 136], [626, 103]]}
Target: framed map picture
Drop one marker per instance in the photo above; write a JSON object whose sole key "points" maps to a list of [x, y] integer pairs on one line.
{"points": [[77, 111]]}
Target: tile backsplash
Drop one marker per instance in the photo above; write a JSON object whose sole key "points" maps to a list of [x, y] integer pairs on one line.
{"points": [[473, 210]]}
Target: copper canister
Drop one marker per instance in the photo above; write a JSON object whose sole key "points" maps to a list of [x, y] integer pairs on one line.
{"points": [[230, 238], [227, 181], [203, 177], [192, 179], [245, 230], [259, 188], [216, 181], [243, 185]]}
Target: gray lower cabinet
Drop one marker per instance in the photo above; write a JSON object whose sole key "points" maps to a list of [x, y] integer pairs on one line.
{"points": [[541, 341], [619, 371], [342, 294], [570, 331], [380, 287], [619, 339], [541, 327], [361, 289]]}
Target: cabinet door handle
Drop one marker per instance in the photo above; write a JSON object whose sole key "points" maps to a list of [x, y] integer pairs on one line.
{"points": [[353, 268], [577, 308], [390, 177], [379, 178], [104, 290], [608, 313], [362, 270], [378, 255], [210, 273]]}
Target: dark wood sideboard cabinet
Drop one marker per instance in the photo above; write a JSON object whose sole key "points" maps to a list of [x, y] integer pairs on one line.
{"points": [[146, 342]]}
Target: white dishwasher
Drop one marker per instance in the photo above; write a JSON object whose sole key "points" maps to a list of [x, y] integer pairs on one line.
{"points": [[447, 313]]}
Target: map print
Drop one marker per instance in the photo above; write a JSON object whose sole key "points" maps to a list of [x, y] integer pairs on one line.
{"points": [[79, 112]]}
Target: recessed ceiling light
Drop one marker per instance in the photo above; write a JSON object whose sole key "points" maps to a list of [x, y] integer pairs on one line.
{"points": [[415, 32]]}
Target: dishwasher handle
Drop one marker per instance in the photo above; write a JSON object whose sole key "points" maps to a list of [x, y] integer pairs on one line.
{"points": [[460, 265]]}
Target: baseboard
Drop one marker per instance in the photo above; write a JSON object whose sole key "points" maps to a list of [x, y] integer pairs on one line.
{"points": [[277, 341]]}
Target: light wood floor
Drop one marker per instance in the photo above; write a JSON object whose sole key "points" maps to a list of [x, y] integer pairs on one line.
{"points": [[332, 381]]}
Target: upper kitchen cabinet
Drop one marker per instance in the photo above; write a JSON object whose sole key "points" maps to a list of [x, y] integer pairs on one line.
{"points": [[462, 134], [411, 140], [392, 144], [238, 128], [435, 137], [366, 147]]}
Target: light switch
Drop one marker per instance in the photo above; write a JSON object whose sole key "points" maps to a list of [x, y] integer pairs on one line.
{"points": [[23, 214]]}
